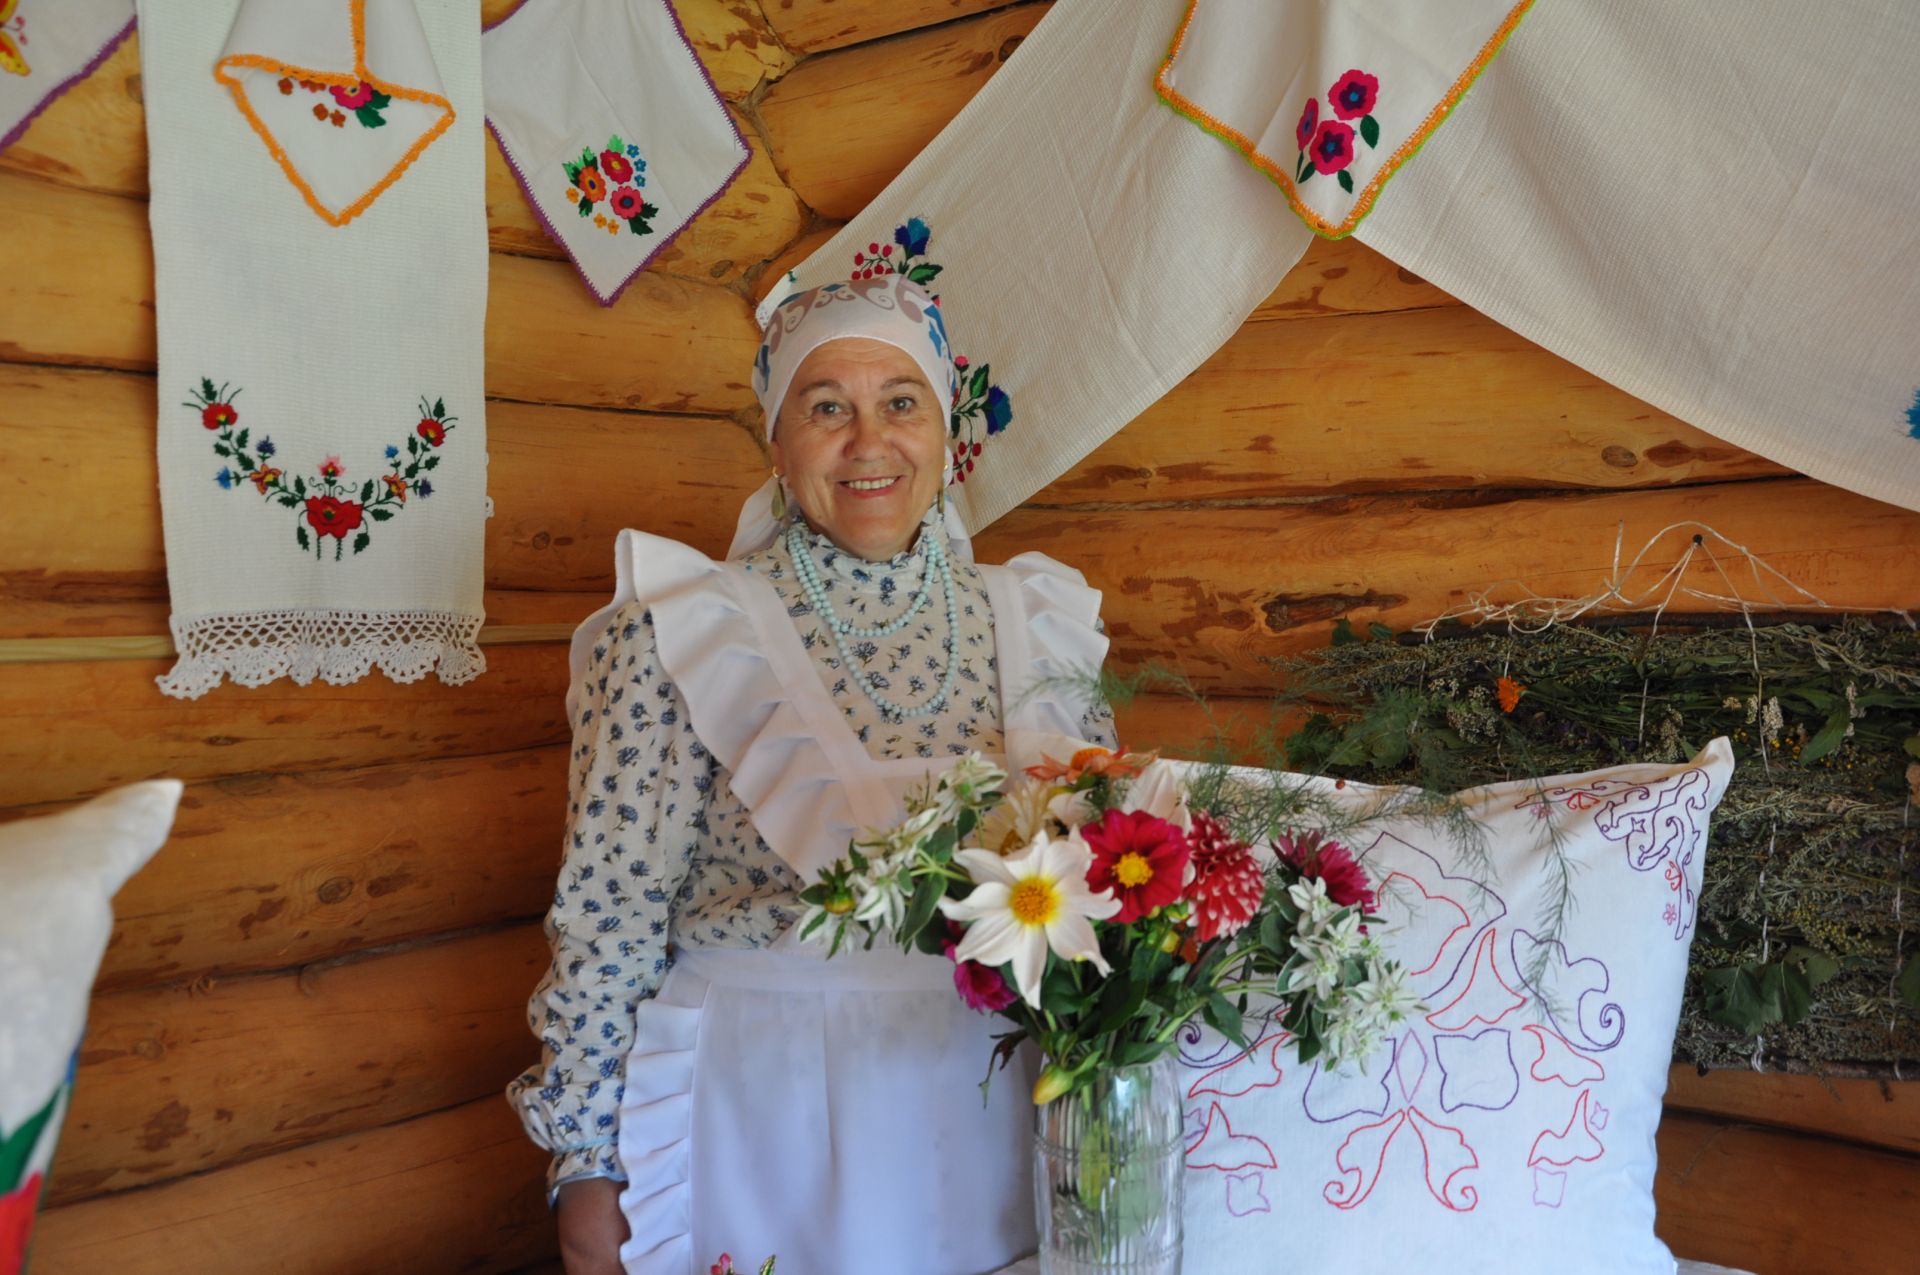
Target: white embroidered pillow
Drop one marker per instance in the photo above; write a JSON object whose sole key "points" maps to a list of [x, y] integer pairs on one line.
{"points": [[58, 874], [1518, 1115]]}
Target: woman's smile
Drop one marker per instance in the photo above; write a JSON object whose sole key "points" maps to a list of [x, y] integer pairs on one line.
{"points": [[869, 488]]}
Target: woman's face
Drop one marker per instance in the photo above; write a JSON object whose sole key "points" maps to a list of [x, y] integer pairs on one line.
{"points": [[862, 440]]}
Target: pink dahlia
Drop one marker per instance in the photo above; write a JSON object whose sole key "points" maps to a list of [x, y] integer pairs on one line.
{"points": [[980, 986]]}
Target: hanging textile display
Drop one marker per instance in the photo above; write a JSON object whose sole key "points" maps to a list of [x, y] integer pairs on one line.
{"points": [[614, 129], [1329, 97], [48, 46], [322, 442], [304, 76], [1089, 247], [1708, 205]]}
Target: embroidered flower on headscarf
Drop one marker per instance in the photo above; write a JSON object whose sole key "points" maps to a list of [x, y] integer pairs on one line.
{"points": [[1354, 94], [1332, 147], [353, 98], [1309, 116]]}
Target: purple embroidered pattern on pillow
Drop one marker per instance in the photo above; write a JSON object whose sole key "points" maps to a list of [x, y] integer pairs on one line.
{"points": [[615, 175], [328, 506], [980, 408], [1326, 145]]}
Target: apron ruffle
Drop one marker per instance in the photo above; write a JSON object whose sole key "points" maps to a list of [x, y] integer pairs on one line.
{"points": [[656, 1123]]}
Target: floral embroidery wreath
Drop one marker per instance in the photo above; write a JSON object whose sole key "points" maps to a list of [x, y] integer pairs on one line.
{"points": [[327, 507], [980, 408], [616, 175]]}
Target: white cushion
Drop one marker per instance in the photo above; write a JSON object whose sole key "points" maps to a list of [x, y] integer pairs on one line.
{"points": [[58, 874], [1518, 1116]]}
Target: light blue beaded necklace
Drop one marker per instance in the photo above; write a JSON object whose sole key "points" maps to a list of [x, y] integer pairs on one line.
{"points": [[937, 568]]}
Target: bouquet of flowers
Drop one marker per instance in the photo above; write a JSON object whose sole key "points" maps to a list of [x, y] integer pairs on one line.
{"points": [[1092, 907]]}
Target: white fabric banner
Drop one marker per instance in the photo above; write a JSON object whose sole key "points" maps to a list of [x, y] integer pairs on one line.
{"points": [[1711, 205], [1090, 248], [322, 439]]}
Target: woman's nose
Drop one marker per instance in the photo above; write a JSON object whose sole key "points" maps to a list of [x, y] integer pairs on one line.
{"points": [[865, 437]]}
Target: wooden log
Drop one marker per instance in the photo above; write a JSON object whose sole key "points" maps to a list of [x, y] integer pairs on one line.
{"points": [[1767, 1201], [460, 1190], [670, 345], [114, 725], [186, 1078], [268, 871], [809, 26], [1214, 591], [1880, 1113], [844, 124]]}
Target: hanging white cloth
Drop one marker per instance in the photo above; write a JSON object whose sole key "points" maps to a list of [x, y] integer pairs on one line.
{"points": [[1710, 205], [1158, 242], [322, 437]]}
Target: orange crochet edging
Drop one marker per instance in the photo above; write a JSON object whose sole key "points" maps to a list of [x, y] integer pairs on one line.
{"points": [[1249, 148], [361, 75]]}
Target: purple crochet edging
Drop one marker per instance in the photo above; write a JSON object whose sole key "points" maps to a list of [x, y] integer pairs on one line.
{"points": [[553, 233], [93, 64]]}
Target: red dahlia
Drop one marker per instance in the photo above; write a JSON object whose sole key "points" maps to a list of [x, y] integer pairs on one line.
{"points": [[1140, 857], [1318, 859], [1227, 882]]}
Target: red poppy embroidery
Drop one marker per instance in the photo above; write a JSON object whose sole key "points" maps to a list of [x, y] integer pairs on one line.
{"points": [[359, 99], [1327, 146], [615, 175], [329, 505]]}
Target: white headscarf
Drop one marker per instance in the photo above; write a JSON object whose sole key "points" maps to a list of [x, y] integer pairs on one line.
{"points": [[891, 309]]}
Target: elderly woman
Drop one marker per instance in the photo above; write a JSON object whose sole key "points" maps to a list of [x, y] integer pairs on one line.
{"points": [[734, 725]]}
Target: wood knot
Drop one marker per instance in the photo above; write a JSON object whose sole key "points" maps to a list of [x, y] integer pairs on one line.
{"points": [[1619, 457], [1008, 45], [334, 889], [541, 539]]}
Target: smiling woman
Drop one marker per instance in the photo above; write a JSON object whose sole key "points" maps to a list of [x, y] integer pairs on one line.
{"points": [[735, 724]]}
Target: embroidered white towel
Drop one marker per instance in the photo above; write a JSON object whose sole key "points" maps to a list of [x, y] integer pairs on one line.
{"points": [[613, 127], [48, 46], [1692, 201], [1090, 247], [322, 439], [345, 96], [1329, 97]]}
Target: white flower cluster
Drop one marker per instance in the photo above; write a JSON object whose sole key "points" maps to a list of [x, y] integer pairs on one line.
{"points": [[1362, 994]]}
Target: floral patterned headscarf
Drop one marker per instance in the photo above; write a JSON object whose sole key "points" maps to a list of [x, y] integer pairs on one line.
{"points": [[892, 309]]}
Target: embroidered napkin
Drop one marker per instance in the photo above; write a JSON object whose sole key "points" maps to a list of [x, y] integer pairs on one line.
{"points": [[303, 73], [1089, 247], [322, 438], [48, 46], [612, 126], [1329, 97], [1750, 262]]}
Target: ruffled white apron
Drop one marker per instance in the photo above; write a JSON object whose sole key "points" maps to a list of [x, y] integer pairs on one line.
{"points": [[777, 1102]]}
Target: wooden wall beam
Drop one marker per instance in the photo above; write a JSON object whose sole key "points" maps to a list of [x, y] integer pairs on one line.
{"points": [[810, 26], [1879, 1113], [189, 1078], [459, 1190]]}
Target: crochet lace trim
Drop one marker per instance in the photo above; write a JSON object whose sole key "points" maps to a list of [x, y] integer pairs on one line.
{"points": [[339, 647]]}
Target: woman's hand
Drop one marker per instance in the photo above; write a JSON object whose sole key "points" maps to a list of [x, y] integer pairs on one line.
{"points": [[592, 1228]]}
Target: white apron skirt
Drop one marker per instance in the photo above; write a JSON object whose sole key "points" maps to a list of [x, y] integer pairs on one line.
{"points": [[827, 1112]]}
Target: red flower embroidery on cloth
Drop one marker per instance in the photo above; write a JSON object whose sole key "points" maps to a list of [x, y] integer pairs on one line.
{"points": [[620, 164], [329, 505], [353, 98], [16, 1222], [1328, 145]]}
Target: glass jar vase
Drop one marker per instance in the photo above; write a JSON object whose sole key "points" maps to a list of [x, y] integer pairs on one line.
{"points": [[1109, 1165]]}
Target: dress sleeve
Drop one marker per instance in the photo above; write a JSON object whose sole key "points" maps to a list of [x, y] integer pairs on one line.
{"points": [[1096, 724], [637, 790]]}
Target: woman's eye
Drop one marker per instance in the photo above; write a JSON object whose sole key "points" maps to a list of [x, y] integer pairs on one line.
{"points": [[903, 403], [826, 409]]}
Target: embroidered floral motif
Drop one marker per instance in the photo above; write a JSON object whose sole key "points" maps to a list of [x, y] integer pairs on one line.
{"points": [[13, 39], [615, 175], [980, 408], [360, 99], [329, 506], [1913, 416], [1326, 146]]}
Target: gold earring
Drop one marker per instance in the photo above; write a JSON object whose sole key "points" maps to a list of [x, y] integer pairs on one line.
{"points": [[942, 498], [779, 498]]}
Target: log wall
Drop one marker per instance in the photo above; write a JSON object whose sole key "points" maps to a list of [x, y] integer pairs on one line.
{"points": [[314, 995]]}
